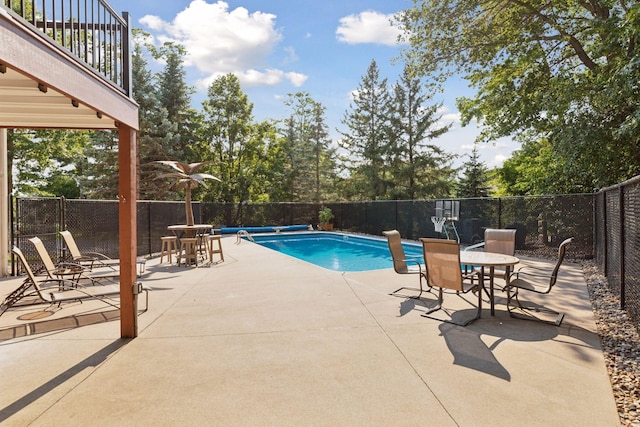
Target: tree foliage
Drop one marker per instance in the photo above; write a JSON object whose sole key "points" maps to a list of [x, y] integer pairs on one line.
{"points": [[311, 160], [367, 139], [474, 181], [157, 136], [233, 143], [41, 157], [562, 71], [419, 170]]}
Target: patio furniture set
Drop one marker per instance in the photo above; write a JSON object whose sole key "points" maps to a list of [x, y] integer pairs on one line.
{"points": [[89, 275], [190, 242], [449, 269]]}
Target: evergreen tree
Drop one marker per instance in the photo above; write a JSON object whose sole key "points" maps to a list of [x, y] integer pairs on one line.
{"points": [[308, 143], [367, 139], [474, 181], [419, 170], [100, 177], [174, 95], [157, 136]]}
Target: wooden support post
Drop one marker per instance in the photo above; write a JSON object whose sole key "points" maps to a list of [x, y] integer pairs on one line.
{"points": [[127, 229]]}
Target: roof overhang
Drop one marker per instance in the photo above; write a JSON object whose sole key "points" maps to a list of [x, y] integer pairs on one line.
{"points": [[44, 86]]}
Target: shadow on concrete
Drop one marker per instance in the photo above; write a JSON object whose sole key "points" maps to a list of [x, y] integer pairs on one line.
{"points": [[91, 361]]}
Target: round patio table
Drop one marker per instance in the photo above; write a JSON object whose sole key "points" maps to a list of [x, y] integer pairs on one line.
{"points": [[492, 260]]}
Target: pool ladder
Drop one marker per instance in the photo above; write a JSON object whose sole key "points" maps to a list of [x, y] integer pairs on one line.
{"points": [[243, 233]]}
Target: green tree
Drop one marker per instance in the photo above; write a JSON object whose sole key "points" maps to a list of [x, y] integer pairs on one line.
{"points": [[157, 136], [100, 174], [311, 160], [419, 169], [233, 144], [474, 181], [534, 169], [38, 156], [563, 71], [174, 96], [367, 139]]}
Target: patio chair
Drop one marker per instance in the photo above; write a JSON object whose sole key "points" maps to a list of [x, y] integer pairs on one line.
{"points": [[538, 280], [88, 259], [58, 290], [442, 258], [400, 264], [71, 271], [500, 241]]}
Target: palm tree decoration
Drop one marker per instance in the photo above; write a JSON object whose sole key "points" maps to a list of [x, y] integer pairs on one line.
{"points": [[188, 179]]}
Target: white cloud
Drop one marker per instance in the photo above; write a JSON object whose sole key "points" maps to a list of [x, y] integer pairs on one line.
{"points": [[270, 77], [291, 55], [368, 27], [221, 41]]}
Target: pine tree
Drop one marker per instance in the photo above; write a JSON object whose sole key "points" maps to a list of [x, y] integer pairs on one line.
{"points": [[174, 95], [474, 181], [157, 136], [419, 169], [367, 139]]}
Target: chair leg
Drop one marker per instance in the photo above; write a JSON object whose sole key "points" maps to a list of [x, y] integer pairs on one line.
{"points": [[420, 290], [439, 307], [529, 310]]}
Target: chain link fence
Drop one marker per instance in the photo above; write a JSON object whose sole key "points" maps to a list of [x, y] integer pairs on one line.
{"points": [[605, 226], [617, 248], [542, 222]]}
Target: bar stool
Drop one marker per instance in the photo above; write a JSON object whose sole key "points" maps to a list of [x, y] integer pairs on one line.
{"points": [[169, 246], [188, 250], [209, 243]]}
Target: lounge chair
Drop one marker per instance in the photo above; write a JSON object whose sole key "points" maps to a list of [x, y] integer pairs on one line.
{"points": [[59, 290], [94, 260], [88, 259], [538, 280], [442, 258], [71, 271], [404, 265]]}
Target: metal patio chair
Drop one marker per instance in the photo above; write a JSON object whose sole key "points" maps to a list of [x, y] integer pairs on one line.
{"points": [[538, 280], [88, 259], [500, 241], [404, 265], [442, 258]]}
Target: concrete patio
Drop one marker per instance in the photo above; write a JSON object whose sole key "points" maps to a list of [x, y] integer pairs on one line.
{"points": [[266, 340]]}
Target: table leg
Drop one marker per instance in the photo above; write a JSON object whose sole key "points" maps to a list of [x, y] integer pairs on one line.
{"points": [[491, 300]]}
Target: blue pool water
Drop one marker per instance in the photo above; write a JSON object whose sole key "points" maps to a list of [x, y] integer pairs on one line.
{"points": [[335, 251]]}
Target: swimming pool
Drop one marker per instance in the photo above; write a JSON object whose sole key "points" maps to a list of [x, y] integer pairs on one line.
{"points": [[336, 251]]}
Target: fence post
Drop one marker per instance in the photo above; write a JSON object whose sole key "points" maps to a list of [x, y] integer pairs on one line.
{"points": [[622, 250]]}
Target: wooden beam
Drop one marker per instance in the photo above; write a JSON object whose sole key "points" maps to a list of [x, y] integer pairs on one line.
{"points": [[127, 229]]}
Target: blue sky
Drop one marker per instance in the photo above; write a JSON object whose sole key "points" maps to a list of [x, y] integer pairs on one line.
{"points": [[322, 47]]}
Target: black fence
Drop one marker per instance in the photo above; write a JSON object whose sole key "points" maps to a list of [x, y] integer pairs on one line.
{"points": [[542, 222], [605, 226], [617, 248]]}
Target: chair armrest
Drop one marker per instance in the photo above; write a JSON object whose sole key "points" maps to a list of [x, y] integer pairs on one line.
{"points": [[476, 246], [411, 260], [70, 266], [99, 256], [529, 270]]}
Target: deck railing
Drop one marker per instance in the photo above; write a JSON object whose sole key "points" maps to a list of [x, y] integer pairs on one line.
{"points": [[90, 29]]}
